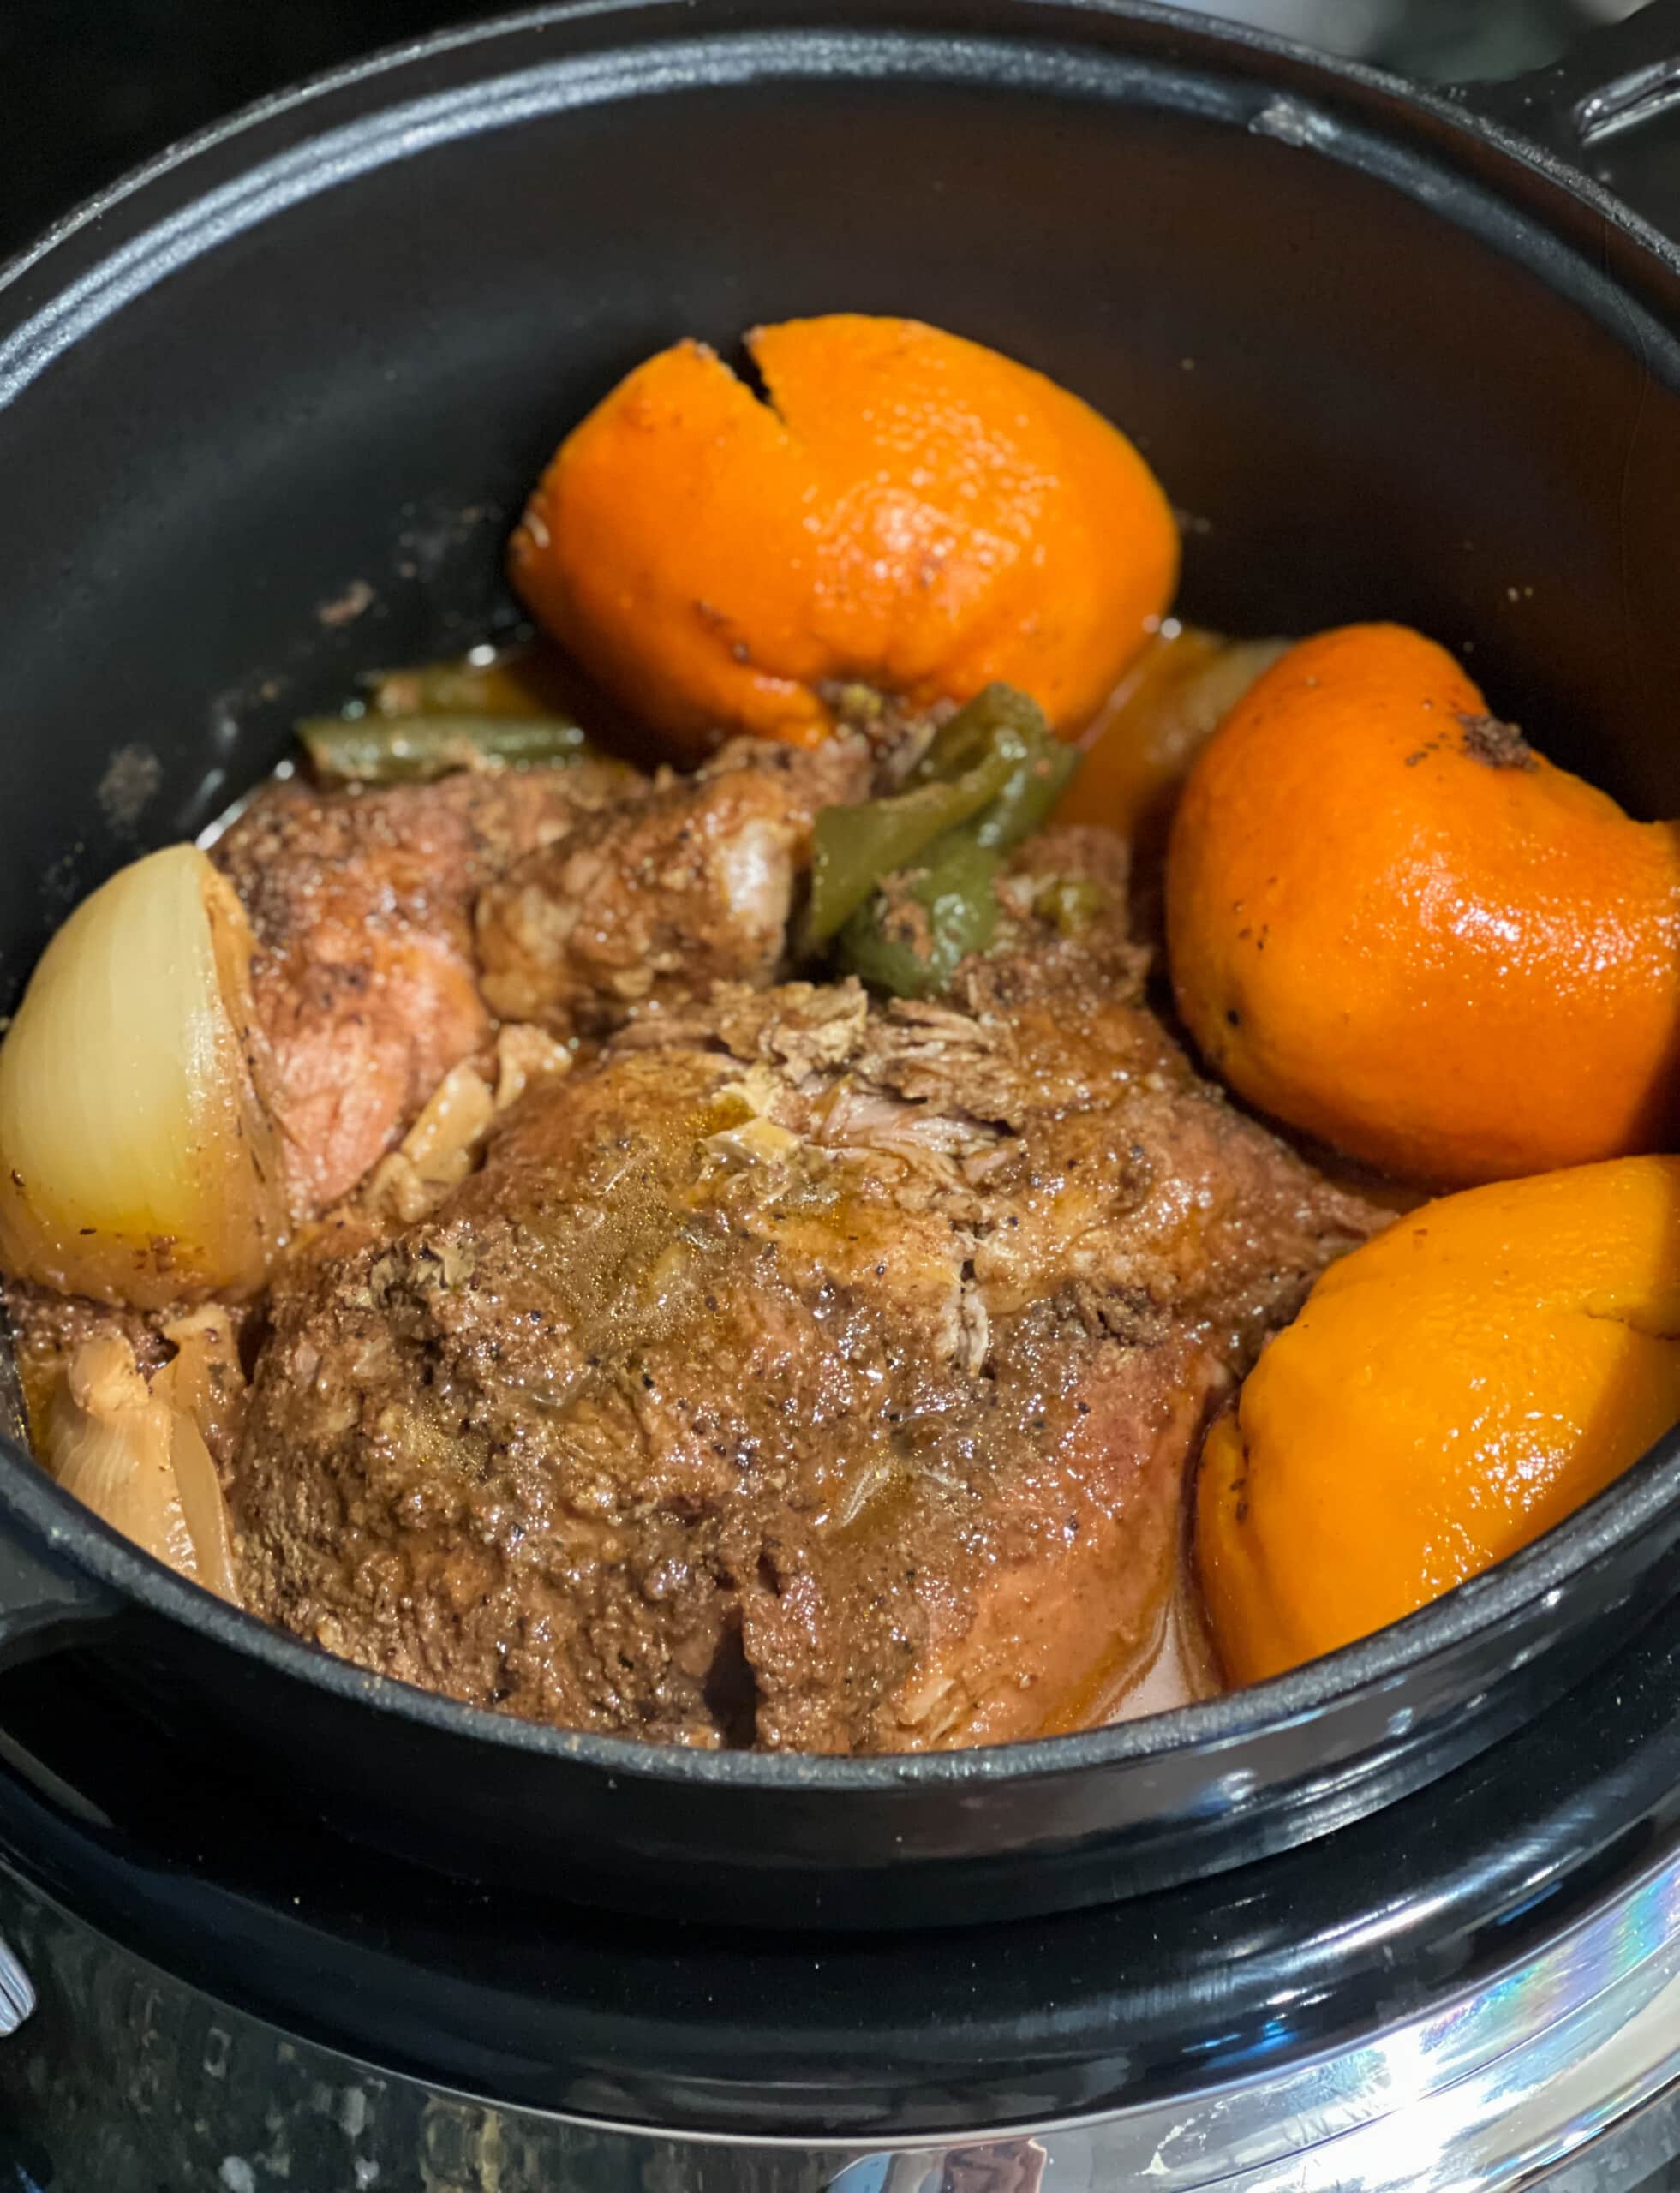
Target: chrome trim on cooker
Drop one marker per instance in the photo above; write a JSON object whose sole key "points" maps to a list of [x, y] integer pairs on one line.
{"points": [[17, 1992], [1496, 2087]]}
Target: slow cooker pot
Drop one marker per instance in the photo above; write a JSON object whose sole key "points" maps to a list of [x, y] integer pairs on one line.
{"points": [[1394, 353]]}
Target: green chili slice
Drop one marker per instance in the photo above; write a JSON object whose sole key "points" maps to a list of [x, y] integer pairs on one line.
{"points": [[1002, 721], [512, 684], [1069, 903], [1032, 789], [403, 749], [853, 847], [909, 939], [997, 711], [989, 777]]}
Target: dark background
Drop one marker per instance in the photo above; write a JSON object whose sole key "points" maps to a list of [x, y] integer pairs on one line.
{"points": [[89, 88]]}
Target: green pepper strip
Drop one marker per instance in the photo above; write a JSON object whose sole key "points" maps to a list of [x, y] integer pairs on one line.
{"points": [[975, 727], [1003, 719], [1025, 803], [500, 688], [853, 847], [954, 888], [390, 749], [989, 779]]}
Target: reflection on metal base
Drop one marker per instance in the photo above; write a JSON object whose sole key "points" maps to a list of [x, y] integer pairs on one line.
{"points": [[1004, 2166], [17, 1993], [1564, 2072]]}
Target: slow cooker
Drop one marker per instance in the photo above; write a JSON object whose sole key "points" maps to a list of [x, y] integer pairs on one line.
{"points": [[1407, 1917]]}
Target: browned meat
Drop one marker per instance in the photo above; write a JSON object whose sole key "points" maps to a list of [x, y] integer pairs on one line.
{"points": [[364, 976], [662, 896], [619, 890], [801, 1372]]}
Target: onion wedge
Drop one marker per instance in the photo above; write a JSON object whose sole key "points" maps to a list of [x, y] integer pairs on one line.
{"points": [[136, 1163], [140, 1464]]}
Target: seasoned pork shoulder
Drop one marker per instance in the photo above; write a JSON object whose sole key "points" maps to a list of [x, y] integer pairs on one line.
{"points": [[367, 973], [658, 896], [801, 1372], [364, 977]]}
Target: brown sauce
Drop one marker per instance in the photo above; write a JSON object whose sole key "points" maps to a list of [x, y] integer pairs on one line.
{"points": [[1183, 1670]]}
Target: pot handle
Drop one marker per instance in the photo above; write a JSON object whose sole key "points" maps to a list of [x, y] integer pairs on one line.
{"points": [[1607, 91]]}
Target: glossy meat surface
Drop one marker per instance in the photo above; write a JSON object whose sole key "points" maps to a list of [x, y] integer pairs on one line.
{"points": [[804, 1371], [387, 937], [657, 897], [364, 976]]}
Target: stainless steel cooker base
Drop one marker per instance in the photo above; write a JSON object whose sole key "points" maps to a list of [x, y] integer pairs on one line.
{"points": [[1563, 2072]]}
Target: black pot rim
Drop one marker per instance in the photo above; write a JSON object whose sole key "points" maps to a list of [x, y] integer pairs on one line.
{"points": [[68, 1535]]}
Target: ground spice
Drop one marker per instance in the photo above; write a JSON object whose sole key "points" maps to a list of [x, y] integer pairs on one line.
{"points": [[1500, 745]]}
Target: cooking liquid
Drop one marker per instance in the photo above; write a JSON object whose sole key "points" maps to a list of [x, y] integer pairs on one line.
{"points": [[1182, 1670]]}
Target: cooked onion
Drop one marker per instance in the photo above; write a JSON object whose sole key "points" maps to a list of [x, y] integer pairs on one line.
{"points": [[525, 1055], [439, 1150], [136, 1163], [444, 1140], [203, 1509], [447, 1141], [139, 1463], [204, 1379]]}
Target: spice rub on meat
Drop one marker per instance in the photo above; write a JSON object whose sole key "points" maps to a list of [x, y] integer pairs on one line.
{"points": [[804, 1371], [366, 975], [660, 897]]}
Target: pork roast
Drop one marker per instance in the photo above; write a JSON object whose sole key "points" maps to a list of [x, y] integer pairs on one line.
{"points": [[592, 887], [803, 1371]]}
